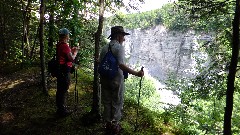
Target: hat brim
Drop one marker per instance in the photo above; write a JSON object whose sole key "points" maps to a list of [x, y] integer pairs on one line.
{"points": [[124, 33]]}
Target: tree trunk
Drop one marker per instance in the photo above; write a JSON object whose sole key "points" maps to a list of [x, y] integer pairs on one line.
{"points": [[25, 27], [34, 43], [23, 35], [96, 95], [3, 48], [232, 72], [42, 58], [51, 28], [27, 17]]}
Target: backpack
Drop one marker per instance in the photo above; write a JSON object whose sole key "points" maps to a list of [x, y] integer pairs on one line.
{"points": [[53, 67], [108, 67]]}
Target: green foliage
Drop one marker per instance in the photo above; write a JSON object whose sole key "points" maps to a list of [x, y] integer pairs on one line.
{"points": [[202, 97], [149, 97], [196, 115], [169, 16], [148, 122], [11, 29], [82, 30], [173, 17], [136, 20], [63, 13], [236, 114], [208, 15]]}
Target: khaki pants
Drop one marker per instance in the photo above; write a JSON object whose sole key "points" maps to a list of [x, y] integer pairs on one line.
{"points": [[112, 99]]}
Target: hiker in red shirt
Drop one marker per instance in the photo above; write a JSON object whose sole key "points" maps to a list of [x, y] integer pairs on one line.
{"points": [[65, 56]]}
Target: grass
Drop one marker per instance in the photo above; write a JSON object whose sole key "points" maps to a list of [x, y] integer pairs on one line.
{"points": [[26, 110]]}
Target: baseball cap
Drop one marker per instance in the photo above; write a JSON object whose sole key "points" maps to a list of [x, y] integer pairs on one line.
{"points": [[64, 31]]}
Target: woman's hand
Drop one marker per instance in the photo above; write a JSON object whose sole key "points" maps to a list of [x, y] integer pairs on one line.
{"points": [[75, 50]]}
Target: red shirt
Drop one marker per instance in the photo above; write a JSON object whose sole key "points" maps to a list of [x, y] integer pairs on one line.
{"points": [[63, 49]]}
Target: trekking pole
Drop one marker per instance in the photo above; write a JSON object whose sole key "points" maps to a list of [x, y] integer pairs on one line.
{"points": [[139, 93], [75, 91]]}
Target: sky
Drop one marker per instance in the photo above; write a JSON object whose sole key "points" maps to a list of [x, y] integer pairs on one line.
{"points": [[147, 6], [154, 4]]}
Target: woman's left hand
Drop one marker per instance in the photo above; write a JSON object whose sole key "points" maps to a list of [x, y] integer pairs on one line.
{"points": [[75, 49]]}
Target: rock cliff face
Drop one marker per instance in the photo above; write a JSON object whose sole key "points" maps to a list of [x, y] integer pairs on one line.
{"points": [[162, 52]]}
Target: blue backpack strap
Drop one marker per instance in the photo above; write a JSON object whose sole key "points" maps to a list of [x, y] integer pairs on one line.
{"points": [[109, 49]]}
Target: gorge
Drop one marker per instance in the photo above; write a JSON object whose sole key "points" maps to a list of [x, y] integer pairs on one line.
{"points": [[161, 52]]}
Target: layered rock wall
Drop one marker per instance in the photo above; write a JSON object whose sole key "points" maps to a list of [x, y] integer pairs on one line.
{"points": [[161, 51]]}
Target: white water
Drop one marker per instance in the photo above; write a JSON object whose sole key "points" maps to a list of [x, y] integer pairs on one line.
{"points": [[167, 96]]}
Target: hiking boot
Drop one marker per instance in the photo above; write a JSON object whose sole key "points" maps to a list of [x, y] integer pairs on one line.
{"points": [[64, 113], [116, 129], [108, 128]]}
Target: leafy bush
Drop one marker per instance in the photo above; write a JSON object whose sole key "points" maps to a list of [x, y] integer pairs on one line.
{"points": [[149, 97]]}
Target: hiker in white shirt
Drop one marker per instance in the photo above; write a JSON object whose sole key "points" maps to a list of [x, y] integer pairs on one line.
{"points": [[113, 89]]}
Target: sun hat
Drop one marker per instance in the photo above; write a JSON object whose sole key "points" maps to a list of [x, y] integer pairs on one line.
{"points": [[117, 30], [64, 31]]}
